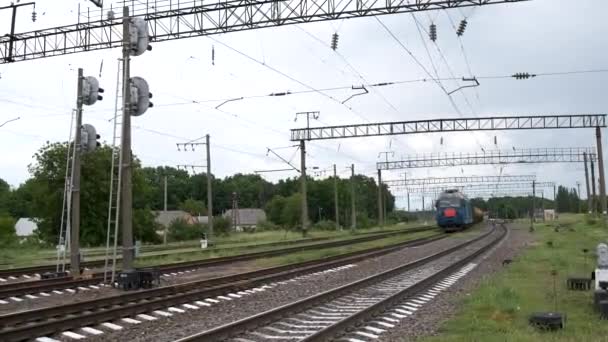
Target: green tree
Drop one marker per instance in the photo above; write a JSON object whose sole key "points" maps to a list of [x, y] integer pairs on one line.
{"points": [[8, 234], [47, 185], [180, 230], [193, 207], [274, 209], [292, 211]]}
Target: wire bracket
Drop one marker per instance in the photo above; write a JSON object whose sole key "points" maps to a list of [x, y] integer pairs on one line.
{"points": [[362, 87], [464, 79]]}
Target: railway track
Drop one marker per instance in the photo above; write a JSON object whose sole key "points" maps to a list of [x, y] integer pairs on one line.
{"points": [[47, 321], [362, 310], [45, 287], [35, 271]]}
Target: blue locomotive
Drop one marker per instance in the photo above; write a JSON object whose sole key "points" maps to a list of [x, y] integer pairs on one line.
{"points": [[455, 212]]}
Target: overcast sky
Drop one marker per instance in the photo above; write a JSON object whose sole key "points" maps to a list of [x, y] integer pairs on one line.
{"points": [[538, 36]]}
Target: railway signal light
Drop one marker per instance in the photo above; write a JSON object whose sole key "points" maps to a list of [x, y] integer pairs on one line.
{"points": [[91, 91], [140, 96], [139, 37], [89, 138]]}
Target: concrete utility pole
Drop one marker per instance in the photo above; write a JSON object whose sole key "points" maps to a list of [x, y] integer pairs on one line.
{"points": [[590, 202], [533, 205], [75, 224], [303, 184], [209, 189], [353, 212], [165, 209], [336, 198], [380, 210], [126, 188], [578, 194], [593, 188], [554, 198], [408, 202], [600, 165]]}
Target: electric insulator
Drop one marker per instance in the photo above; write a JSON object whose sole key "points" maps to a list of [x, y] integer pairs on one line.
{"points": [[495, 141], [441, 141], [212, 54], [522, 75], [461, 27], [433, 32], [34, 16], [334, 41]]}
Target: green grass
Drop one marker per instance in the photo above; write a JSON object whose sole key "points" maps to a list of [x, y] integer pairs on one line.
{"points": [[211, 253], [187, 250], [499, 309], [328, 252]]}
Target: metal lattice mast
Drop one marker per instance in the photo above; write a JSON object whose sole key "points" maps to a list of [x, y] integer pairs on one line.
{"points": [[207, 19]]}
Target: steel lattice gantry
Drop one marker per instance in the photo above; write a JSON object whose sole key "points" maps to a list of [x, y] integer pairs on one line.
{"points": [[206, 19], [477, 187], [460, 180], [520, 156], [450, 125]]}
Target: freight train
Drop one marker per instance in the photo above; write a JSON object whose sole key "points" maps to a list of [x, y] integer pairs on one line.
{"points": [[455, 212]]}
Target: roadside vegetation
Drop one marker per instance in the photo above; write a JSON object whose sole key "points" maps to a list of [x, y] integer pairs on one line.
{"points": [[499, 309]]}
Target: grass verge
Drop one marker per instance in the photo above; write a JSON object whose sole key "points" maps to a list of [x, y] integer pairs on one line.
{"points": [[499, 309]]}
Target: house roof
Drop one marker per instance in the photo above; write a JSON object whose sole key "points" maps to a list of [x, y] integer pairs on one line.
{"points": [[202, 219], [248, 216], [167, 217], [25, 226]]}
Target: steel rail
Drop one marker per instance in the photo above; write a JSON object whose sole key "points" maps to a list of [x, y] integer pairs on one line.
{"points": [[36, 323], [250, 323], [46, 285], [93, 264], [334, 330]]}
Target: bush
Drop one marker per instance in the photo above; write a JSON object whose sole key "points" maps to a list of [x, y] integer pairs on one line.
{"points": [[267, 225], [180, 230], [325, 225], [591, 219], [222, 225]]}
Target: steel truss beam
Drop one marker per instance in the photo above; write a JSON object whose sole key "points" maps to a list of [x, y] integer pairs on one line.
{"points": [[450, 125], [520, 156], [209, 18], [482, 194], [460, 180], [475, 187]]}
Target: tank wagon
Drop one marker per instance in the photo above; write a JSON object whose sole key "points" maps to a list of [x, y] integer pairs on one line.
{"points": [[455, 212]]}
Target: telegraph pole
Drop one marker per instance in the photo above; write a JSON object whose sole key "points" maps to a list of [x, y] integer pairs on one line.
{"points": [[209, 189], [533, 206], [165, 209], [75, 224], [578, 187], [315, 115], [381, 197], [336, 198], [353, 213], [303, 185], [126, 188], [380, 210], [590, 202], [207, 144], [593, 188], [408, 202], [600, 165]]}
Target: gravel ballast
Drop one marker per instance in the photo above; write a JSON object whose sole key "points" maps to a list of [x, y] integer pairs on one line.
{"points": [[429, 318], [226, 311]]}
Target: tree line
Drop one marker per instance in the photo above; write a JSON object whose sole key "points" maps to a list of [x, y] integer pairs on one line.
{"points": [[41, 196]]}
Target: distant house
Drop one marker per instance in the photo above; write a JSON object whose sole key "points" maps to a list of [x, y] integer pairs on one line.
{"points": [[25, 226], [247, 218], [165, 218]]}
